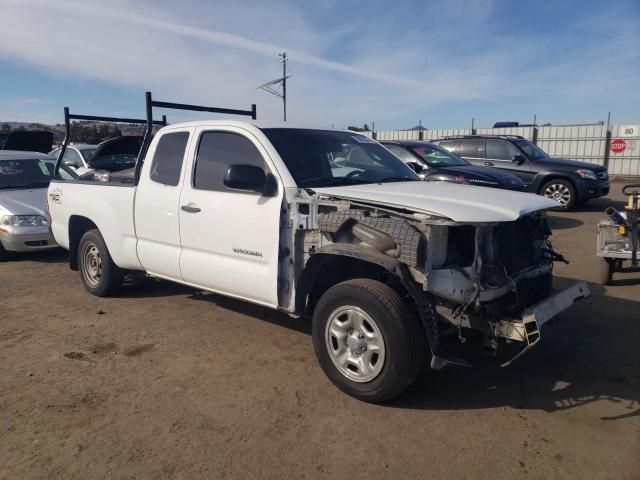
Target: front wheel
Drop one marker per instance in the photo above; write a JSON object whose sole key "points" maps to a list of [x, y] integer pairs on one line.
{"points": [[562, 191], [367, 340], [100, 276]]}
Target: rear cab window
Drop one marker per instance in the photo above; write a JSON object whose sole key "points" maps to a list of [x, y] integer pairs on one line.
{"points": [[166, 166]]}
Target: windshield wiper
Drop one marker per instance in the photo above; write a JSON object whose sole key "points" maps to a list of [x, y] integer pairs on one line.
{"points": [[395, 179], [330, 182]]}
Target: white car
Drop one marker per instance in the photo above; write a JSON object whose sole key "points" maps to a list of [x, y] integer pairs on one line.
{"points": [[389, 267], [77, 156], [24, 220]]}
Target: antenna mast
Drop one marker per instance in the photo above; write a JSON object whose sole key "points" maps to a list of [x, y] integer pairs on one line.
{"points": [[273, 85]]}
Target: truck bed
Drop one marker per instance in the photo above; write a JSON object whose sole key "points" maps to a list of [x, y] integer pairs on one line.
{"points": [[110, 208]]}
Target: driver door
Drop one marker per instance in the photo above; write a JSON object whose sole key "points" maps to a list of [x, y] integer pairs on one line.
{"points": [[229, 237], [500, 153]]}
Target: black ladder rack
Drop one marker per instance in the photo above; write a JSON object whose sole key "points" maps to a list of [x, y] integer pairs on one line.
{"points": [[150, 103], [94, 118]]}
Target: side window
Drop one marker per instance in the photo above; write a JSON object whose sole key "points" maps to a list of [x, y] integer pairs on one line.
{"points": [[217, 151], [501, 150], [452, 145], [167, 160], [402, 154], [471, 148], [72, 158]]}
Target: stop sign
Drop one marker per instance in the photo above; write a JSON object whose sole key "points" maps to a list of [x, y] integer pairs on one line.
{"points": [[618, 145]]}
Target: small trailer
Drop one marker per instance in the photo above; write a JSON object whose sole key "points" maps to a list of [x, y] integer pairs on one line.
{"points": [[619, 237]]}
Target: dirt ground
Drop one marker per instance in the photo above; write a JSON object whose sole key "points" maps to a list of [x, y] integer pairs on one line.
{"points": [[169, 382]]}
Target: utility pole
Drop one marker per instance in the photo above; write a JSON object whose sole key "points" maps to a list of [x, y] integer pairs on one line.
{"points": [[283, 56], [272, 86]]}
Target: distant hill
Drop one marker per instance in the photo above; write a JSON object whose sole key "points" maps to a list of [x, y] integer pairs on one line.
{"points": [[81, 132]]}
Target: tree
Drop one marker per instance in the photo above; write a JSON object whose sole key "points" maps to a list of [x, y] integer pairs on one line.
{"points": [[365, 128], [87, 132]]}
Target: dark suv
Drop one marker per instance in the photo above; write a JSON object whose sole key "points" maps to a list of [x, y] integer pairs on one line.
{"points": [[567, 181]]}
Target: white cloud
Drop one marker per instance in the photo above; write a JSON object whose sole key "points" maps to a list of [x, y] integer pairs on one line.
{"points": [[344, 71]]}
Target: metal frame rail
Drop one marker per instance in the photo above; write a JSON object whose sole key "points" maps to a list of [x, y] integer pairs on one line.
{"points": [[75, 116]]}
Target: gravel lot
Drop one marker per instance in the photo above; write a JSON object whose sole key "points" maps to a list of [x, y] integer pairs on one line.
{"points": [[169, 382]]}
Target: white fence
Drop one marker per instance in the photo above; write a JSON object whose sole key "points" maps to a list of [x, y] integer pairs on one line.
{"points": [[618, 148]]}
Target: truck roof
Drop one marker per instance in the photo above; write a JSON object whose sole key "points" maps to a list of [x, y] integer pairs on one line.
{"points": [[254, 123]]}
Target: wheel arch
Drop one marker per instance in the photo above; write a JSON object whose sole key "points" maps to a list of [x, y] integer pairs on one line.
{"points": [[337, 263], [78, 226], [543, 178]]}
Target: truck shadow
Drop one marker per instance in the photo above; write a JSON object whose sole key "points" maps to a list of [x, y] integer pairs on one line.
{"points": [[561, 223], [139, 286], [273, 317], [55, 255], [590, 355]]}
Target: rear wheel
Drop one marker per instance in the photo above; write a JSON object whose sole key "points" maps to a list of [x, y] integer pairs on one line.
{"points": [[367, 340], [100, 276], [562, 191]]}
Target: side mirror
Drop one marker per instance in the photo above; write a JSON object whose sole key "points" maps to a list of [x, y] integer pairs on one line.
{"points": [[70, 163], [519, 159], [416, 167], [250, 179]]}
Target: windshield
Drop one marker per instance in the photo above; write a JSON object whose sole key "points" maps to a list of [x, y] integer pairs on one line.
{"points": [[435, 156], [87, 153], [25, 173], [322, 158], [533, 151]]}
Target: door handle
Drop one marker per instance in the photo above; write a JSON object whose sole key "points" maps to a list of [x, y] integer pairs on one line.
{"points": [[189, 209], [489, 164]]}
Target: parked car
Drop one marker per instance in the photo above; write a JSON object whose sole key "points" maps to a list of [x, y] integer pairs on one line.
{"points": [[568, 182], [436, 163], [27, 140], [77, 156], [387, 265], [24, 221]]}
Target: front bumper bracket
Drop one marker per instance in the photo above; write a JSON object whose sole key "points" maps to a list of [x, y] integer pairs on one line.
{"points": [[527, 329]]}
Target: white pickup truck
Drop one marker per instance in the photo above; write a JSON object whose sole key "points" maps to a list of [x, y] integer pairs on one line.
{"points": [[330, 224]]}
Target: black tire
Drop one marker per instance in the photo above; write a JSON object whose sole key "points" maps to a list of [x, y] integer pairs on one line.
{"points": [[606, 269], [100, 276], [404, 342], [560, 190], [4, 255]]}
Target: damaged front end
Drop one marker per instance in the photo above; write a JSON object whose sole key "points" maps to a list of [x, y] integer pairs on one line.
{"points": [[497, 279], [466, 279]]}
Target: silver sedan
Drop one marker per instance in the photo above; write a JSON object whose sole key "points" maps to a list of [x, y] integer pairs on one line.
{"points": [[24, 217]]}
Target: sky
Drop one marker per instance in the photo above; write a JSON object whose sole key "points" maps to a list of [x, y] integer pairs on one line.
{"points": [[441, 62]]}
